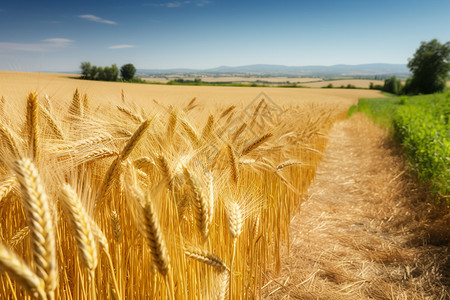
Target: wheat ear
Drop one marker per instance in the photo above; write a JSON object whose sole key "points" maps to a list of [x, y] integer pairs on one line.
{"points": [[211, 196], [289, 163], [227, 111], [144, 162], [85, 105], [154, 237], [19, 270], [116, 228], [207, 130], [191, 105], [200, 204], [256, 143], [238, 132], [165, 170], [233, 164], [7, 187], [235, 219], [81, 227], [191, 133], [113, 172], [76, 107], [173, 118], [84, 143], [52, 123], [7, 137], [135, 138], [111, 176], [222, 285], [19, 236], [32, 124], [40, 222], [206, 258], [2, 105], [99, 154], [135, 117]]}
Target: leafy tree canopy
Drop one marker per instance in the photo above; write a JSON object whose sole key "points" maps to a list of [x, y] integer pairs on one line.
{"points": [[127, 72], [430, 66]]}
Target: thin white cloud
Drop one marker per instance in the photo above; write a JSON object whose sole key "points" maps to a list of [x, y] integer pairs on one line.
{"points": [[58, 41], [121, 46], [202, 3], [96, 19], [46, 45], [176, 4]]}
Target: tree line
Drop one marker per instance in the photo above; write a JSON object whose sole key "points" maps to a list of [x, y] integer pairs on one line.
{"points": [[430, 67], [111, 73]]}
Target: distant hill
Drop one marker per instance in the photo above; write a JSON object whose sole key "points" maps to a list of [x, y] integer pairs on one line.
{"points": [[278, 70]]}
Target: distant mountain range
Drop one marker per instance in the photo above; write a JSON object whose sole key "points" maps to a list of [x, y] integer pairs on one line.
{"points": [[279, 70]]}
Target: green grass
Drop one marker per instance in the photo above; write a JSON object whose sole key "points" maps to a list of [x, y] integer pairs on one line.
{"points": [[421, 125]]}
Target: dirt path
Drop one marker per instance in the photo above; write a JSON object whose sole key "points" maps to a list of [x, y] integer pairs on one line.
{"points": [[362, 233]]}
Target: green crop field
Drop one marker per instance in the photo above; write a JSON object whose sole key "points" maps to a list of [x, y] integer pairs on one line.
{"points": [[421, 125]]}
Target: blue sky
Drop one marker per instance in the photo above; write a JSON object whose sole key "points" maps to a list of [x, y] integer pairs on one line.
{"points": [[59, 35]]}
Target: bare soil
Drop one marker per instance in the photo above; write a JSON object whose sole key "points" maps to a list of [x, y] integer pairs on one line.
{"points": [[367, 230]]}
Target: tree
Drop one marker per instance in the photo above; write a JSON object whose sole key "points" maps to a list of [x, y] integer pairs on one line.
{"points": [[127, 72], [430, 66], [86, 69], [93, 72], [100, 73], [110, 73], [392, 85]]}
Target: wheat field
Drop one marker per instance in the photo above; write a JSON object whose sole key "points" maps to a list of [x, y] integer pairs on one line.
{"points": [[131, 191]]}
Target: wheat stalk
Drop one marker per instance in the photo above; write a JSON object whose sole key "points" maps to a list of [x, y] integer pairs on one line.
{"points": [[17, 269], [41, 224], [80, 225]]}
